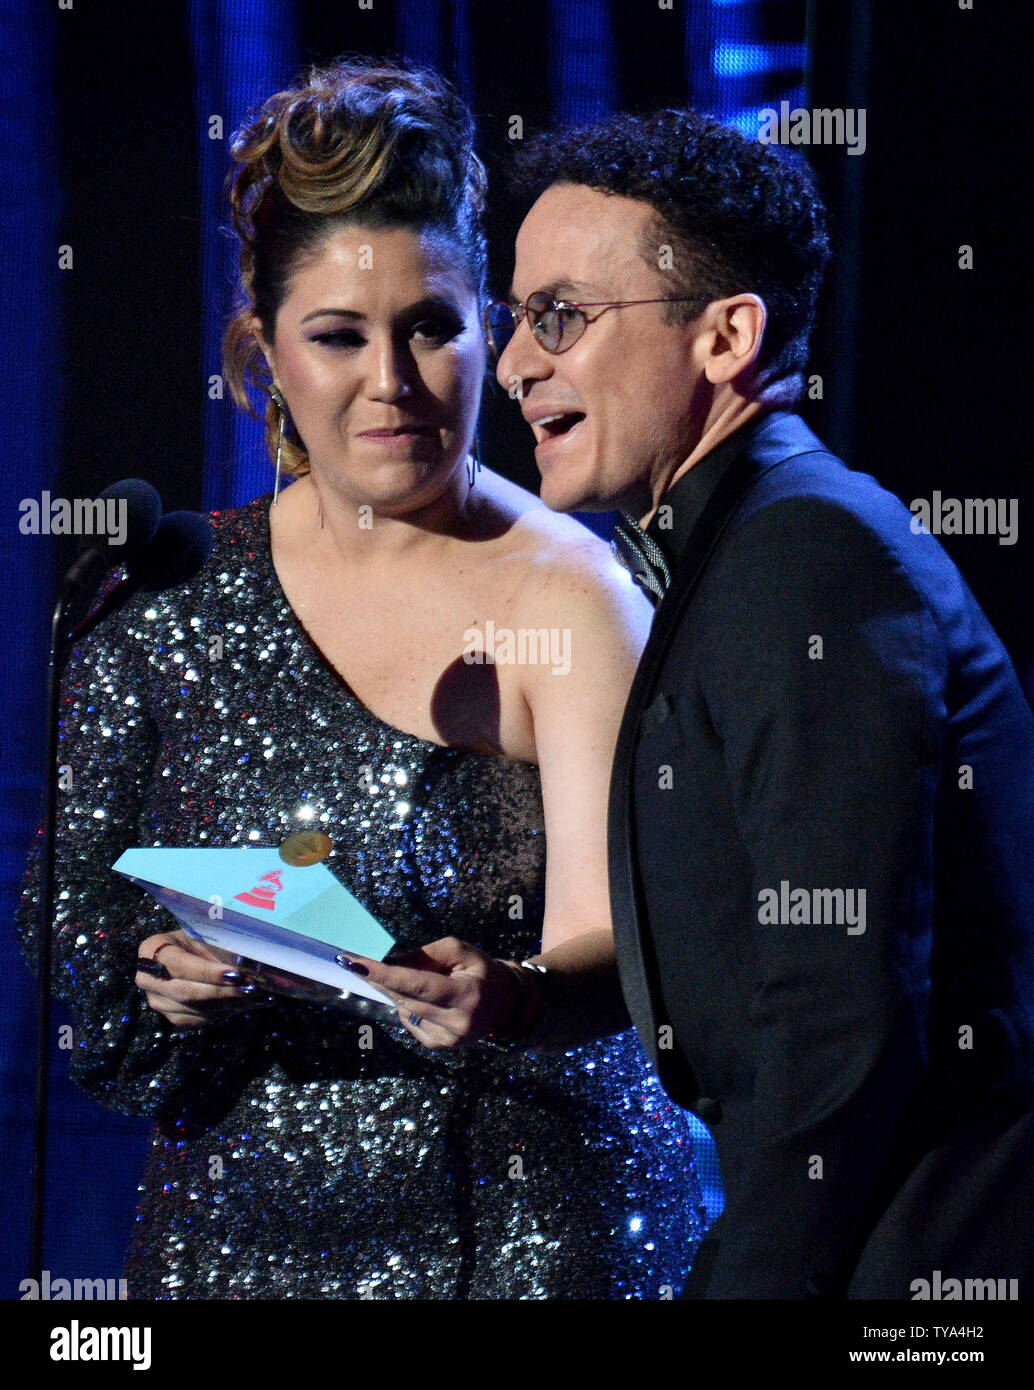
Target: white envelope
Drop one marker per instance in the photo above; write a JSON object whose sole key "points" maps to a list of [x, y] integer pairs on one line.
{"points": [[289, 927]]}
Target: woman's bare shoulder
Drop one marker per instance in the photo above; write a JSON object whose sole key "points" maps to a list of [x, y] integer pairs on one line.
{"points": [[565, 570], [526, 527]]}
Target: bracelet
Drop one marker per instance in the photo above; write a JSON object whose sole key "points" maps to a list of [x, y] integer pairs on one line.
{"points": [[530, 977]]}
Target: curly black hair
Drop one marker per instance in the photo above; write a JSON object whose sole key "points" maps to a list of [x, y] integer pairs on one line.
{"points": [[737, 215]]}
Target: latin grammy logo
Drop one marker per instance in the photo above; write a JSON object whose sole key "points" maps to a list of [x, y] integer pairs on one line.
{"points": [[264, 893]]}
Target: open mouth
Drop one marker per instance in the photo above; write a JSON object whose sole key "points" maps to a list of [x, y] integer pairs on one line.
{"points": [[555, 426]]}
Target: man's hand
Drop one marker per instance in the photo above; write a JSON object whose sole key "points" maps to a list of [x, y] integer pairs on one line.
{"points": [[199, 989]]}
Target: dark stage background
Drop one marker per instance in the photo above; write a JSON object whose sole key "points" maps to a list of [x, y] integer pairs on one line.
{"points": [[116, 118]]}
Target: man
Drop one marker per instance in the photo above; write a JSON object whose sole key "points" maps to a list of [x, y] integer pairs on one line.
{"points": [[822, 805]]}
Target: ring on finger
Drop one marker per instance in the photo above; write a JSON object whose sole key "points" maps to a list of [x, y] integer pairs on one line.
{"points": [[415, 1020]]}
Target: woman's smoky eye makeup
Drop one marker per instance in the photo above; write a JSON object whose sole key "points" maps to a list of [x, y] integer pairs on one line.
{"points": [[440, 327], [439, 324], [338, 337], [434, 321]]}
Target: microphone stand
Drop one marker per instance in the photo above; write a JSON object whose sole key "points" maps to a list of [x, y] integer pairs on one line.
{"points": [[72, 583], [167, 550]]}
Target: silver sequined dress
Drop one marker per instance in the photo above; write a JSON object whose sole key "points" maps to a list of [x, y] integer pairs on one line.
{"points": [[291, 1158]]}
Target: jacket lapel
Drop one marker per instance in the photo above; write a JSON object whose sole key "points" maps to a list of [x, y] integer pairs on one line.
{"points": [[778, 438]]}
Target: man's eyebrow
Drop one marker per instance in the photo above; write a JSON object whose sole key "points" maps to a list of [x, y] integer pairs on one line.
{"points": [[561, 289]]}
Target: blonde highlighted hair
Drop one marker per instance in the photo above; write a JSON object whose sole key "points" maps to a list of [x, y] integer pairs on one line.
{"points": [[375, 143]]}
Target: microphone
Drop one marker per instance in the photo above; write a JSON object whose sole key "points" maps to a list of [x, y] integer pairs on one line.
{"points": [[143, 509], [181, 546]]}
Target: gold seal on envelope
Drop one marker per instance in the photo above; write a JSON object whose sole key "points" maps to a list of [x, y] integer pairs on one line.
{"points": [[307, 847]]}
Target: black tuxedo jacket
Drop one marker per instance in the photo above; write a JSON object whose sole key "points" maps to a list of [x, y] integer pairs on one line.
{"points": [[822, 881]]}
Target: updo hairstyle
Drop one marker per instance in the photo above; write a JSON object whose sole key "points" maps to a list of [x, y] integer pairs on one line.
{"points": [[370, 143]]}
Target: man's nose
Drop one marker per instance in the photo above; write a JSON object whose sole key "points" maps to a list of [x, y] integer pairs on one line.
{"points": [[521, 361]]}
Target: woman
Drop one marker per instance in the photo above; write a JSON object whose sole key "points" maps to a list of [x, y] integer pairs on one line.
{"points": [[318, 673]]}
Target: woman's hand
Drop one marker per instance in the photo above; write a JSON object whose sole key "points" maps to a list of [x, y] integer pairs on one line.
{"points": [[449, 993], [199, 988]]}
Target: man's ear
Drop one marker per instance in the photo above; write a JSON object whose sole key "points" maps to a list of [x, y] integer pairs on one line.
{"points": [[737, 327]]}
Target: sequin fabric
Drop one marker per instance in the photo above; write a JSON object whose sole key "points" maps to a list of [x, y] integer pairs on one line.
{"points": [[300, 1151]]}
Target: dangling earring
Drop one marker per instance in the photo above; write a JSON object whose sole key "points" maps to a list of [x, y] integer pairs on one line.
{"points": [[473, 463], [278, 401]]}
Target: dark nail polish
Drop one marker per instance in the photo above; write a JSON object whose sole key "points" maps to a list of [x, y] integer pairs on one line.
{"points": [[154, 968], [231, 977], [356, 967], [245, 989]]}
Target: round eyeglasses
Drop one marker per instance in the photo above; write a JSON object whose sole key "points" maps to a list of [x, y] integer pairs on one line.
{"points": [[556, 324]]}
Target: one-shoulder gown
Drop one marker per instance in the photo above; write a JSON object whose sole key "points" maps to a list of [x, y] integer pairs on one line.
{"points": [[297, 1151]]}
